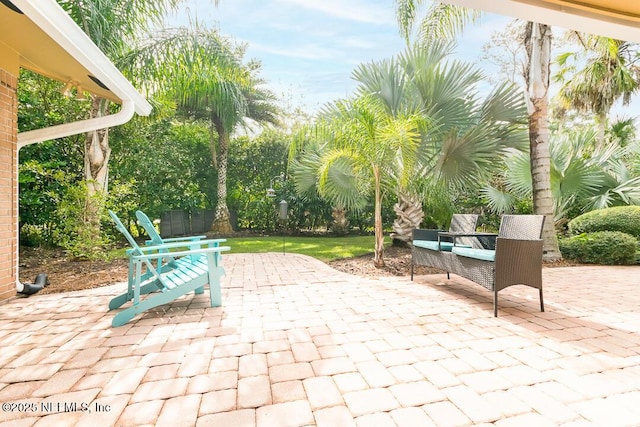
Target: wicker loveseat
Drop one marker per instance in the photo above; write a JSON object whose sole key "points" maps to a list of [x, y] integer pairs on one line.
{"points": [[516, 259]]}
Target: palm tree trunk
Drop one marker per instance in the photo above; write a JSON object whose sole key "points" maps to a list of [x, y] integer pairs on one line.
{"points": [[601, 128], [221, 219], [212, 144], [378, 253], [340, 224], [96, 167], [409, 216], [537, 71]]}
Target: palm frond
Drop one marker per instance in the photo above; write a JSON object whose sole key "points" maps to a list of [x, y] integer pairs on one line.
{"points": [[108, 22], [506, 104], [203, 71], [405, 15], [387, 81], [341, 181], [304, 172], [498, 201], [579, 180], [606, 76], [629, 191], [518, 179], [444, 21], [466, 158]]}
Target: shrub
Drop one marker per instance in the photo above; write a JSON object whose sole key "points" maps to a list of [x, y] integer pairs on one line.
{"points": [[621, 218], [71, 233], [600, 247], [31, 236]]}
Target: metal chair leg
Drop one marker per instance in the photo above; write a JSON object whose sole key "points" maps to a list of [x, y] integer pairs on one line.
{"points": [[412, 268]]}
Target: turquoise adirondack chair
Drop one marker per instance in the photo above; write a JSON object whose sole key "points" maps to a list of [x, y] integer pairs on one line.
{"points": [[156, 239], [195, 265]]}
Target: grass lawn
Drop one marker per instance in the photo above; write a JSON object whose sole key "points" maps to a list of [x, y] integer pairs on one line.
{"points": [[322, 248]]}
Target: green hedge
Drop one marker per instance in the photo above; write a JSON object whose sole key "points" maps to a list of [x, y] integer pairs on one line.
{"points": [[622, 218], [600, 247]]}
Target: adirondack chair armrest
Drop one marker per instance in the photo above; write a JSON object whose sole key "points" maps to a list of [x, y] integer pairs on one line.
{"points": [[182, 253], [180, 239], [183, 244]]}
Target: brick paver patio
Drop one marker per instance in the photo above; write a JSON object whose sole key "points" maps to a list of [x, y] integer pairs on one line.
{"points": [[297, 343]]}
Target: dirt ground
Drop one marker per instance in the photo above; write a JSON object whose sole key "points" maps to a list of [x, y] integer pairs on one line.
{"points": [[66, 274], [71, 275]]}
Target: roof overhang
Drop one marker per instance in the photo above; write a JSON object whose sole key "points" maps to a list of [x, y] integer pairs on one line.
{"points": [[618, 19], [48, 42]]}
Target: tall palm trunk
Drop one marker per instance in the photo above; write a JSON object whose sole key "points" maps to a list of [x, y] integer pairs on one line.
{"points": [[537, 71], [378, 231], [96, 167], [601, 129], [221, 218]]}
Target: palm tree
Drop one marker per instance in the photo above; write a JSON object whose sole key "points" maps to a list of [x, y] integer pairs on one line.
{"points": [[537, 72], [348, 153], [463, 137], [111, 25], [390, 84], [608, 75], [537, 45], [203, 73], [414, 119]]}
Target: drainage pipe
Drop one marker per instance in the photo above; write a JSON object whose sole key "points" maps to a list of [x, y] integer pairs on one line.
{"points": [[82, 126], [60, 131], [31, 288]]}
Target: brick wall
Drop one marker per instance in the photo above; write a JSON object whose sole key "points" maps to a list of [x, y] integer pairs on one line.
{"points": [[8, 184]]}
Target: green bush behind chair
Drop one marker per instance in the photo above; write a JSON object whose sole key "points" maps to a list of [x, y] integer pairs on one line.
{"points": [[604, 236], [620, 218], [601, 247]]}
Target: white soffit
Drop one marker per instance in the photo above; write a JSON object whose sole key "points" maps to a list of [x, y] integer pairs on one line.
{"points": [[615, 19], [50, 43]]}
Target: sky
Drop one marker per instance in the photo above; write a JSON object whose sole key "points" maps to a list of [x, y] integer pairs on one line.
{"points": [[309, 48]]}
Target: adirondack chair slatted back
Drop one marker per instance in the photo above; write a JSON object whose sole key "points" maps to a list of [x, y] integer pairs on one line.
{"points": [[122, 229], [148, 226], [156, 239], [135, 250]]}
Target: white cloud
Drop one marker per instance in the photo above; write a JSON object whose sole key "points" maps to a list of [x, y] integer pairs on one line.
{"points": [[312, 52], [353, 10]]}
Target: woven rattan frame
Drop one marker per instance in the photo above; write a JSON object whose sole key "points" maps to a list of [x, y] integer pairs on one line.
{"points": [[518, 259]]}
